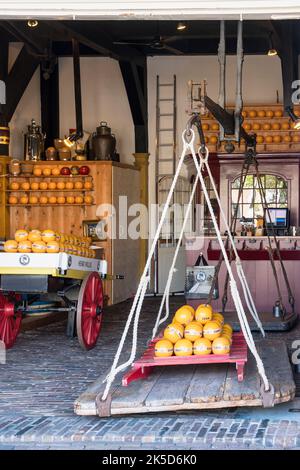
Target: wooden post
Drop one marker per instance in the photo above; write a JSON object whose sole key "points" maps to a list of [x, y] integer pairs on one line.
{"points": [[4, 212], [142, 163]]}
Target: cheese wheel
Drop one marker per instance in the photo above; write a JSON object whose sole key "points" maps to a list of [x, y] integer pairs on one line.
{"points": [[52, 247], [183, 347], [221, 345], [202, 347], [38, 247], [173, 332], [24, 246], [203, 313], [21, 235], [163, 348], [212, 330], [184, 315], [48, 236], [34, 235], [11, 246], [193, 331]]}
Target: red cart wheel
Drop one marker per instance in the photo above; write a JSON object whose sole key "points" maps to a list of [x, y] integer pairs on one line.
{"points": [[89, 311], [10, 321]]}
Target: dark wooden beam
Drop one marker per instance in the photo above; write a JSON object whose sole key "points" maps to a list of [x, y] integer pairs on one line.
{"points": [[50, 106], [18, 80], [34, 46], [135, 81], [284, 44], [4, 45], [99, 42]]}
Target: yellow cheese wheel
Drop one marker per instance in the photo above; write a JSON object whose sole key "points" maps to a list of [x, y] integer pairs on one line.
{"points": [[25, 186], [193, 331], [211, 330], [202, 347], [173, 332], [48, 235], [39, 247], [21, 235], [52, 185], [52, 247], [203, 313], [13, 200], [47, 171], [183, 347], [34, 235], [24, 246], [11, 246], [221, 345], [228, 327], [14, 185], [163, 348], [33, 199], [184, 315], [218, 317]]}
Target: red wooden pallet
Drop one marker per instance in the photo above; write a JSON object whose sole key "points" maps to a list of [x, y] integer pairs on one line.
{"points": [[143, 366]]}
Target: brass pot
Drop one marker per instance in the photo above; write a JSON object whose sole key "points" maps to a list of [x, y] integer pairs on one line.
{"points": [[64, 154], [51, 154]]}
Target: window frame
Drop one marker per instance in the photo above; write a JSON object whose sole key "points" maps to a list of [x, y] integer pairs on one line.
{"points": [[268, 173]]}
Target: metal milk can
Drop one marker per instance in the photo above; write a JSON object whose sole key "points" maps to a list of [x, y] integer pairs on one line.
{"points": [[103, 142], [34, 142]]}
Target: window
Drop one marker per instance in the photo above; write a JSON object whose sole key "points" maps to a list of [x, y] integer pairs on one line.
{"points": [[206, 224], [173, 223], [250, 207]]}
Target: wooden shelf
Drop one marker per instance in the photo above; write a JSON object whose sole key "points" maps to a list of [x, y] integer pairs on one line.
{"points": [[50, 205], [260, 131], [50, 176], [49, 190]]}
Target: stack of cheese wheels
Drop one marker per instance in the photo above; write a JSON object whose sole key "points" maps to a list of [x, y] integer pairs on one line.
{"points": [[49, 241], [199, 332]]}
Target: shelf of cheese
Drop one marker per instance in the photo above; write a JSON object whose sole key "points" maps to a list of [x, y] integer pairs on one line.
{"points": [[275, 132]]}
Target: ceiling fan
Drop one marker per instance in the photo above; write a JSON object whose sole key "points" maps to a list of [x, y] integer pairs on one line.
{"points": [[159, 42]]}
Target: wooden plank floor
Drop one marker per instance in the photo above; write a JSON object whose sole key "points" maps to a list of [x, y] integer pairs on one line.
{"points": [[197, 386]]}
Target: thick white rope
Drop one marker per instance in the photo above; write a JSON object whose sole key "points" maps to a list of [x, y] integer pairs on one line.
{"points": [[165, 299], [234, 291], [141, 290], [240, 271]]}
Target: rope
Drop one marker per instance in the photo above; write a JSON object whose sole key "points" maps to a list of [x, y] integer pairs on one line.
{"points": [[246, 291], [165, 299], [234, 291], [142, 287], [145, 278]]}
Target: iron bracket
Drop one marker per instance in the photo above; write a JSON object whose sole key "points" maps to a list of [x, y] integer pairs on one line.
{"points": [[103, 407], [267, 396]]}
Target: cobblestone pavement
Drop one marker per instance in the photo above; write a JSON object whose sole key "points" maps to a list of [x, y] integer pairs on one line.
{"points": [[46, 372]]}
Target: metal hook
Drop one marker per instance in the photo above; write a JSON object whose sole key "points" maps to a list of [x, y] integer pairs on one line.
{"points": [[203, 155], [188, 136]]}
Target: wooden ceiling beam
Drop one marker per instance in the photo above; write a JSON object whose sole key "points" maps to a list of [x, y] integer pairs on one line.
{"points": [[135, 81], [18, 80], [99, 42]]}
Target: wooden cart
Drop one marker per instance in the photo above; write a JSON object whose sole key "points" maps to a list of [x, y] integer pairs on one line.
{"points": [[25, 277]]}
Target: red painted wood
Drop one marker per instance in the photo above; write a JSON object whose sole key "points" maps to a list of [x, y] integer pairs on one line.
{"points": [[237, 355], [255, 255], [10, 320], [90, 311]]}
